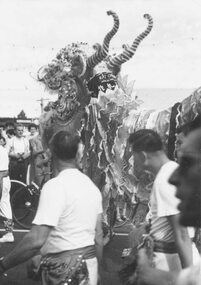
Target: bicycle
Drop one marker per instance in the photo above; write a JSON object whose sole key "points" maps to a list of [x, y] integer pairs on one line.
{"points": [[24, 201]]}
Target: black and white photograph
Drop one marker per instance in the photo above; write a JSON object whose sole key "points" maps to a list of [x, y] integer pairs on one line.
{"points": [[100, 142]]}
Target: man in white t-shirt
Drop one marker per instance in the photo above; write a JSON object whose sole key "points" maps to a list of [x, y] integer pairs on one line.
{"points": [[5, 207], [19, 153], [68, 222], [187, 180], [172, 245]]}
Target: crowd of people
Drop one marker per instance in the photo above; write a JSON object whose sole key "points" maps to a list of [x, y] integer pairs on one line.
{"points": [[67, 230], [20, 159]]}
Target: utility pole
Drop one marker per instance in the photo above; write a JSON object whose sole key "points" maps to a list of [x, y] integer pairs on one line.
{"points": [[41, 100]]}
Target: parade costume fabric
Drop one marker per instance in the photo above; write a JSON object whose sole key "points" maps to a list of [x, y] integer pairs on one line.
{"points": [[96, 100]]}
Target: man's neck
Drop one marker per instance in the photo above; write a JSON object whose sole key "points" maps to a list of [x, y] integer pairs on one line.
{"points": [[61, 165], [163, 159]]}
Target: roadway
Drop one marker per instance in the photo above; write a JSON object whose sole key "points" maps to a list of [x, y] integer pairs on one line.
{"points": [[111, 259]]}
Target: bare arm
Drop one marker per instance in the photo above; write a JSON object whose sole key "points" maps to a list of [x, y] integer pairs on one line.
{"points": [[28, 246], [148, 275], [152, 276], [182, 240], [99, 239]]}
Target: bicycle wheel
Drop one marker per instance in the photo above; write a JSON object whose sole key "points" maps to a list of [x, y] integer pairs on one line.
{"points": [[15, 185], [24, 203]]}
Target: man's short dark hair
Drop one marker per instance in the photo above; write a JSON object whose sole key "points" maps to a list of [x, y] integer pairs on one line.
{"points": [[32, 125], [145, 140], [190, 126], [10, 132], [65, 145], [9, 124]]}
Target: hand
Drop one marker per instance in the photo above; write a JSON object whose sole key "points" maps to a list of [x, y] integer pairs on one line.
{"points": [[18, 155], [144, 269], [23, 156], [143, 258]]}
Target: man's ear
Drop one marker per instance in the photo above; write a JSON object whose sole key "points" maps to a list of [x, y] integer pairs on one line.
{"points": [[144, 155], [79, 154]]}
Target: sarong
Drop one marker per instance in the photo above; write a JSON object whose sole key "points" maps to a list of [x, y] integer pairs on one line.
{"points": [[71, 267]]}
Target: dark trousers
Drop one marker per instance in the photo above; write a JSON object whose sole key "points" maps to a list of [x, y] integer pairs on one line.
{"points": [[18, 169]]}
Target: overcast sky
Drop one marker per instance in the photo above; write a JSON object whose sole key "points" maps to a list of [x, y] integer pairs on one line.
{"points": [[32, 31]]}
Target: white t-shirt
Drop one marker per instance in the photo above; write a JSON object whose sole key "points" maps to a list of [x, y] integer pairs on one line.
{"points": [[3, 158], [163, 203], [19, 145], [70, 204]]}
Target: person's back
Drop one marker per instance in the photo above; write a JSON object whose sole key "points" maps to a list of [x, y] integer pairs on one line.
{"points": [[67, 228], [78, 201], [71, 205]]}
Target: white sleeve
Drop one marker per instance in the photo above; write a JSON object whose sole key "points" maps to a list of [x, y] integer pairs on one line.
{"points": [[166, 200], [51, 204], [100, 209]]}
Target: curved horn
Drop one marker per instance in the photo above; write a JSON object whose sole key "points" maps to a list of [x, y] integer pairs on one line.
{"points": [[102, 52], [130, 51], [40, 75], [110, 35]]}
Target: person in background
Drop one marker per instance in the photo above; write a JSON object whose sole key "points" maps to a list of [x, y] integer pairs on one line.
{"points": [[68, 221], [187, 180], [5, 207], [1, 132], [10, 133], [33, 131], [9, 125], [39, 162], [172, 245], [19, 153]]}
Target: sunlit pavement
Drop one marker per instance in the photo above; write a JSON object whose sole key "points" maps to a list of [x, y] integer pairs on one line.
{"points": [[17, 275], [111, 259]]}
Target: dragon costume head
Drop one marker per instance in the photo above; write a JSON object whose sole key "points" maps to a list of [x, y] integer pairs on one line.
{"points": [[66, 76], [76, 77]]}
